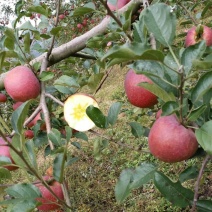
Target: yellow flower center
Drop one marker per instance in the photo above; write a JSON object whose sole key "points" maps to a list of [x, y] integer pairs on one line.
{"points": [[79, 111]]}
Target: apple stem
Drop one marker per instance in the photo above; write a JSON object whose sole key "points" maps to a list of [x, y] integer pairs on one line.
{"points": [[204, 163]]}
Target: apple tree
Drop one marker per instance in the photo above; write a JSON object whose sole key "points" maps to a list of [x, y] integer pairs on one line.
{"points": [[68, 46]]}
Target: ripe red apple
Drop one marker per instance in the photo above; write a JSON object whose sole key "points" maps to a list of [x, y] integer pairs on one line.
{"points": [[119, 4], [79, 26], [17, 105], [5, 151], [34, 121], [196, 34], [61, 16], [29, 134], [21, 84], [170, 141], [137, 95], [49, 202], [3, 98]]}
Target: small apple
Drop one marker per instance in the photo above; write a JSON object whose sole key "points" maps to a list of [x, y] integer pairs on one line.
{"points": [[17, 105], [34, 121], [29, 134], [61, 16], [196, 34], [5, 151], [48, 201], [75, 111], [21, 84], [137, 95], [79, 26], [170, 141], [3, 98], [119, 4]]}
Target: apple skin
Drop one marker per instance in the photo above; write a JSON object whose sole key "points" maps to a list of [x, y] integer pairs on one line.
{"points": [[3, 97], [191, 36], [119, 4], [138, 96], [171, 142], [17, 105], [21, 84], [5, 151], [34, 121], [158, 114], [48, 200], [29, 134]]}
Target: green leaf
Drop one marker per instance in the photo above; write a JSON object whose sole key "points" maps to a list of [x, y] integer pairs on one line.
{"points": [[122, 188], [169, 108], [40, 10], [189, 173], [204, 205], [10, 34], [161, 22], [196, 113], [68, 133], [19, 116], [137, 129], [66, 84], [9, 43], [27, 26], [206, 8], [18, 7], [81, 135], [204, 136], [56, 30], [142, 175], [203, 85], [4, 160], [80, 11], [25, 197], [97, 116], [173, 192], [5, 173], [55, 137], [113, 113], [27, 42], [202, 64], [158, 91], [152, 55], [2, 57], [192, 53], [46, 75], [58, 167], [30, 147], [94, 81]]}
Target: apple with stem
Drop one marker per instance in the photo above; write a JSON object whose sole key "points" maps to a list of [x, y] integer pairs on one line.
{"points": [[48, 201], [75, 111], [196, 34], [170, 141], [137, 95]]}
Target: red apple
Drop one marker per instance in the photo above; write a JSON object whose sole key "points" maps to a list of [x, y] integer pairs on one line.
{"points": [[29, 134], [5, 151], [170, 141], [3, 98], [79, 26], [17, 105], [49, 202], [34, 121], [21, 84], [61, 16], [119, 4], [196, 34], [137, 95]]}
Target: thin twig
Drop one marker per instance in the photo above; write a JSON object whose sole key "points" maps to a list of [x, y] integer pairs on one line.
{"points": [[54, 99], [204, 163]]}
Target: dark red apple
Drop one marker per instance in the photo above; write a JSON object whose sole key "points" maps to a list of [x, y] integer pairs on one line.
{"points": [[119, 4], [170, 141], [3, 98], [49, 202], [5, 151], [34, 121], [196, 34], [137, 95], [29, 134]]}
